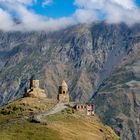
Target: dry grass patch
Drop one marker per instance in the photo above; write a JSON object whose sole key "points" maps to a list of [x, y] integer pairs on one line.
{"points": [[75, 126]]}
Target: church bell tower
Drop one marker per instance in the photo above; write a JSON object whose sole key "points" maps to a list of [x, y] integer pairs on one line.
{"points": [[63, 95]]}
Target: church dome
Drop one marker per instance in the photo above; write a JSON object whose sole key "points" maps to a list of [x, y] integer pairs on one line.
{"points": [[64, 84]]}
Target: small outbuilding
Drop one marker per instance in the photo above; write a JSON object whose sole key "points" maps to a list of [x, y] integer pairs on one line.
{"points": [[87, 109]]}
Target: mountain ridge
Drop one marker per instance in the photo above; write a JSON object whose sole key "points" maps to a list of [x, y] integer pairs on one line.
{"points": [[86, 56]]}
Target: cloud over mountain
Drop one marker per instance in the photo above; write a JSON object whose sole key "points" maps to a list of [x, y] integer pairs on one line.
{"points": [[112, 11]]}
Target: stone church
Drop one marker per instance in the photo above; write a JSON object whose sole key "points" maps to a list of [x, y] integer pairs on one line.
{"points": [[35, 91], [63, 95]]}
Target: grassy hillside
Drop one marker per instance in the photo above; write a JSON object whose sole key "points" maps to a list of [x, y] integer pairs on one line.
{"points": [[15, 123], [76, 126]]}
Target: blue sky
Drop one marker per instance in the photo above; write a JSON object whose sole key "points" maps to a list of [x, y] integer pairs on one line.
{"points": [[59, 8], [138, 2]]}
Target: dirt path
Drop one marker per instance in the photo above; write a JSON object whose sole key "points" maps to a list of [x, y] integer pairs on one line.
{"points": [[41, 117]]}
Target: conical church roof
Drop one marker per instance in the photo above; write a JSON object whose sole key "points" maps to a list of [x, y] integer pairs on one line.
{"points": [[64, 84]]}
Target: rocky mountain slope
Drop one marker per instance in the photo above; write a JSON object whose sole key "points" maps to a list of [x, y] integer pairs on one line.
{"points": [[16, 123], [118, 102], [85, 56]]}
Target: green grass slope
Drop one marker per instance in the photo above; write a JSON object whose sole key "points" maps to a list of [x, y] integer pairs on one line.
{"points": [[16, 124]]}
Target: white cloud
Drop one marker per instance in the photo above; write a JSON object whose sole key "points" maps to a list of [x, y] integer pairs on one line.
{"points": [[84, 16], [30, 21], [127, 4], [18, 1], [5, 20], [114, 11], [47, 2], [98, 4]]}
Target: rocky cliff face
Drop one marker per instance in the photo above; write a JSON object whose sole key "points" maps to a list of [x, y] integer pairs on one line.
{"points": [[118, 102], [84, 55]]}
